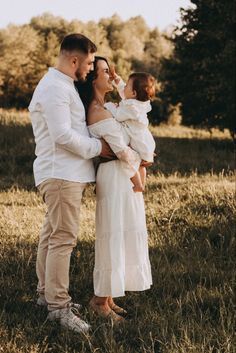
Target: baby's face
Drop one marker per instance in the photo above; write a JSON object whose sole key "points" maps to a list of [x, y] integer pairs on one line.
{"points": [[129, 93]]}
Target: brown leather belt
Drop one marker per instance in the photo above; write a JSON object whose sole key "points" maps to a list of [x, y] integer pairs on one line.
{"points": [[98, 160], [105, 160]]}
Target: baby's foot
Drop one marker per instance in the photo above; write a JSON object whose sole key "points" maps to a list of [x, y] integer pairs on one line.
{"points": [[138, 188]]}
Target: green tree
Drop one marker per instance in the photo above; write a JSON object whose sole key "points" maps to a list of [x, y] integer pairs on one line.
{"points": [[27, 51], [156, 47], [127, 41], [113, 26], [201, 73], [20, 65], [47, 23], [98, 35]]}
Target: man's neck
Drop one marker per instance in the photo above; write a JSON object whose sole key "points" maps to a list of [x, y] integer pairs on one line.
{"points": [[65, 70]]}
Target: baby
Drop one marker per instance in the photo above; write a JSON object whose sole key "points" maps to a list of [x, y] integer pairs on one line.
{"points": [[132, 113]]}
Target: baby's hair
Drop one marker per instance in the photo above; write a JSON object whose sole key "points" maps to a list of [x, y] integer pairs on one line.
{"points": [[144, 85]]}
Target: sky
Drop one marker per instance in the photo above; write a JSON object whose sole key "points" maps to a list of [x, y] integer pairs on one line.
{"points": [[157, 13]]}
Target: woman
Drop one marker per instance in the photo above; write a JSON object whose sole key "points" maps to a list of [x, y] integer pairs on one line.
{"points": [[121, 246]]}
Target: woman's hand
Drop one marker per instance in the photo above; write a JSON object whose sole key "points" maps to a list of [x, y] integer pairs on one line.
{"points": [[107, 151]]}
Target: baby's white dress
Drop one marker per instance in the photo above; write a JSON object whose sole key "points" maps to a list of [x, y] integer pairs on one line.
{"points": [[132, 113], [121, 245]]}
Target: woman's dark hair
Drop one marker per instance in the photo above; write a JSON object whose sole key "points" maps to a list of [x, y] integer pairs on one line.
{"points": [[144, 85], [77, 42], [85, 88]]}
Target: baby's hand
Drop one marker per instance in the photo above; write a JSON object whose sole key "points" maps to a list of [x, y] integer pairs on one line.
{"points": [[113, 75], [145, 163], [112, 72]]}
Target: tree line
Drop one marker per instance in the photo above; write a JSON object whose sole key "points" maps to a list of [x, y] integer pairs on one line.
{"points": [[193, 63]]}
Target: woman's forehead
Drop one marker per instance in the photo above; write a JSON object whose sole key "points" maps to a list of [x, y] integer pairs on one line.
{"points": [[102, 64]]}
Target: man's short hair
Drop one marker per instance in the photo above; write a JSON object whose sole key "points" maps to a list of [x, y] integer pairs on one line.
{"points": [[77, 42]]}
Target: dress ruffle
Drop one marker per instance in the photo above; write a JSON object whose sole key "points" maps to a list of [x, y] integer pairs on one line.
{"points": [[121, 245], [115, 282]]}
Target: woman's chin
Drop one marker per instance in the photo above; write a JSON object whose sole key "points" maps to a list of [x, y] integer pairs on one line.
{"points": [[110, 88]]}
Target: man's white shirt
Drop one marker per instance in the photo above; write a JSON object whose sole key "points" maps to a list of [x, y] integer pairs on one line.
{"points": [[63, 146]]}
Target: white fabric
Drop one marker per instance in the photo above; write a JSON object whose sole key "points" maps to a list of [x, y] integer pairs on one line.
{"points": [[133, 115], [111, 131], [121, 245], [63, 146], [120, 86]]}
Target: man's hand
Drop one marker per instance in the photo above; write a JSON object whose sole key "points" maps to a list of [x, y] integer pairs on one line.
{"points": [[107, 151]]}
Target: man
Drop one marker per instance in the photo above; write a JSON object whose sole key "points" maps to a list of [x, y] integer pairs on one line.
{"points": [[62, 168]]}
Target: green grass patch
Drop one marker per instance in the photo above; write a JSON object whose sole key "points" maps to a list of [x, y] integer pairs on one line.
{"points": [[190, 211]]}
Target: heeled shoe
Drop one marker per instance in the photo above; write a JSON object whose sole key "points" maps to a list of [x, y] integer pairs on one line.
{"points": [[117, 309], [105, 313]]}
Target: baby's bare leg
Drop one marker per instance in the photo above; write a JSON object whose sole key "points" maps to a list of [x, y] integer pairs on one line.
{"points": [[143, 175], [136, 180]]}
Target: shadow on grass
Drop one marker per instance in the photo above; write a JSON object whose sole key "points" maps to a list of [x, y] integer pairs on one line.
{"points": [[184, 156], [191, 286], [16, 156], [180, 155]]}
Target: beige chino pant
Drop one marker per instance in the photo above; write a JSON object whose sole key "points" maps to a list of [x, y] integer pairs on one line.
{"points": [[57, 238]]}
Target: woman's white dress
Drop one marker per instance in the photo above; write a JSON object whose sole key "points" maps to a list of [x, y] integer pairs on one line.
{"points": [[121, 245]]}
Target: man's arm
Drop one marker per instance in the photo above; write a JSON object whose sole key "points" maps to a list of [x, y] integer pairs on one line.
{"points": [[107, 151], [58, 118]]}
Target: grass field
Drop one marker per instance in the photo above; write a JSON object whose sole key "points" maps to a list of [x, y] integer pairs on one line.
{"points": [[190, 211]]}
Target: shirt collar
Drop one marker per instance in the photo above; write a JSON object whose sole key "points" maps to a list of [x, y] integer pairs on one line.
{"points": [[60, 75]]}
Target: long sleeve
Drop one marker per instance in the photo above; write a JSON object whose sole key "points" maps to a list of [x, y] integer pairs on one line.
{"points": [[130, 161], [126, 110], [120, 87], [112, 132], [63, 146], [133, 116], [57, 115]]}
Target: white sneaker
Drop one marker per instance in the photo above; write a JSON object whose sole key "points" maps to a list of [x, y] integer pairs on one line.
{"points": [[41, 301], [68, 319]]}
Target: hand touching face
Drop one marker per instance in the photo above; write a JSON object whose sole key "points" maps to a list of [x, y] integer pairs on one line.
{"points": [[129, 93]]}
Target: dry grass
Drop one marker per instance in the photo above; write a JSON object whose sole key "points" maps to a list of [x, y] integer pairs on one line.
{"points": [[191, 223], [189, 132]]}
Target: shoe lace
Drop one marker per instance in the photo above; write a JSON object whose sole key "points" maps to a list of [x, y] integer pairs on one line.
{"points": [[75, 320], [74, 310], [74, 305]]}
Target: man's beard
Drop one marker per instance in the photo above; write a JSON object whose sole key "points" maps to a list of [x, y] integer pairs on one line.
{"points": [[79, 77]]}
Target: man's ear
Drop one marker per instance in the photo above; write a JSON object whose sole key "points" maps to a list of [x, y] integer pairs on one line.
{"points": [[77, 59], [134, 94], [74, 60]]}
